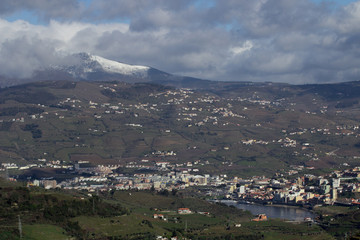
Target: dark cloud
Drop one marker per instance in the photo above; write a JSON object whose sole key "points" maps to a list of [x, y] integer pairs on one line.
{"points": [[117, 9], [258, 40], [45, 9]]}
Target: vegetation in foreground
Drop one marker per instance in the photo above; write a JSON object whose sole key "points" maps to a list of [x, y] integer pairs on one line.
{"points": [[130, 215]]}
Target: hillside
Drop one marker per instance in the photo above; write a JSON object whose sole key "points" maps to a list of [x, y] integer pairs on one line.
{"points": [[131, 215], [238, 129]]}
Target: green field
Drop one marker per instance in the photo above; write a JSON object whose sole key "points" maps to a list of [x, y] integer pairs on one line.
{"points": [[44, 232]]}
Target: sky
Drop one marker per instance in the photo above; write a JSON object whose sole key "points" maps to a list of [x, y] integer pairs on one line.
{"points": [[292, 41]]}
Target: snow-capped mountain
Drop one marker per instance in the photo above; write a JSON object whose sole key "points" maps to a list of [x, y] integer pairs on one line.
{"points": [[121, 68], [85, 66]]}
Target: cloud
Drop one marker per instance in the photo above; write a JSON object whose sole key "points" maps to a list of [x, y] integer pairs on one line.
{"points": [[246, 46], [240, 40], [45, 9], [25, 47], [21, 56]]}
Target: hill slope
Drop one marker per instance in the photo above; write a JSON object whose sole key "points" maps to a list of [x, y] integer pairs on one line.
{"points": [[63, 214], [245, 130]]}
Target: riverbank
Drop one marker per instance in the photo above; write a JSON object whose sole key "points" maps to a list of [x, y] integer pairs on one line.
{"points": [[278, 211]]}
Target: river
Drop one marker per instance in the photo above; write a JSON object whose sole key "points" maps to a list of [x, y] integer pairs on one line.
{"points": [[271, 211]]}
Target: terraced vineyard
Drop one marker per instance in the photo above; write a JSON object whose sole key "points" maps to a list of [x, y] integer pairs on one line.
{"points": [[248, 130]]}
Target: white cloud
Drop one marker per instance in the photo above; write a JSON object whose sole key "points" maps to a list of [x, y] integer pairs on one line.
{"points": [[247, 46]]}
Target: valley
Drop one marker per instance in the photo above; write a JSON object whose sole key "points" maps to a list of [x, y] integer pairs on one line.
{"points": [[121, 143]]}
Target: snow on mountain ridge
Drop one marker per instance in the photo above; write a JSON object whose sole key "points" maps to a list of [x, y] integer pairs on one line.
{"points": [[87, 66], [117, 67]]}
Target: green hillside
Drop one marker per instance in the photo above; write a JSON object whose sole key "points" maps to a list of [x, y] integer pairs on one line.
{"points": [[61, 214]]}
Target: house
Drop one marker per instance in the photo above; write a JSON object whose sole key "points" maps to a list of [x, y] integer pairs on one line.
{"points": [[160, 216], [260, 217], [204, 213], [184, 211], [48, 184]]}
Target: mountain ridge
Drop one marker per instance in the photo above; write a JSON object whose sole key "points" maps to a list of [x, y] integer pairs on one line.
{"points": [[87, 67]]}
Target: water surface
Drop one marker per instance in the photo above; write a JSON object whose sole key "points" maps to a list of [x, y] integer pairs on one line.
{"points": [[278, 211]]}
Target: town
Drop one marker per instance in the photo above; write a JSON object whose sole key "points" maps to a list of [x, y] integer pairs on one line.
{"points": [[290, 188]]}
